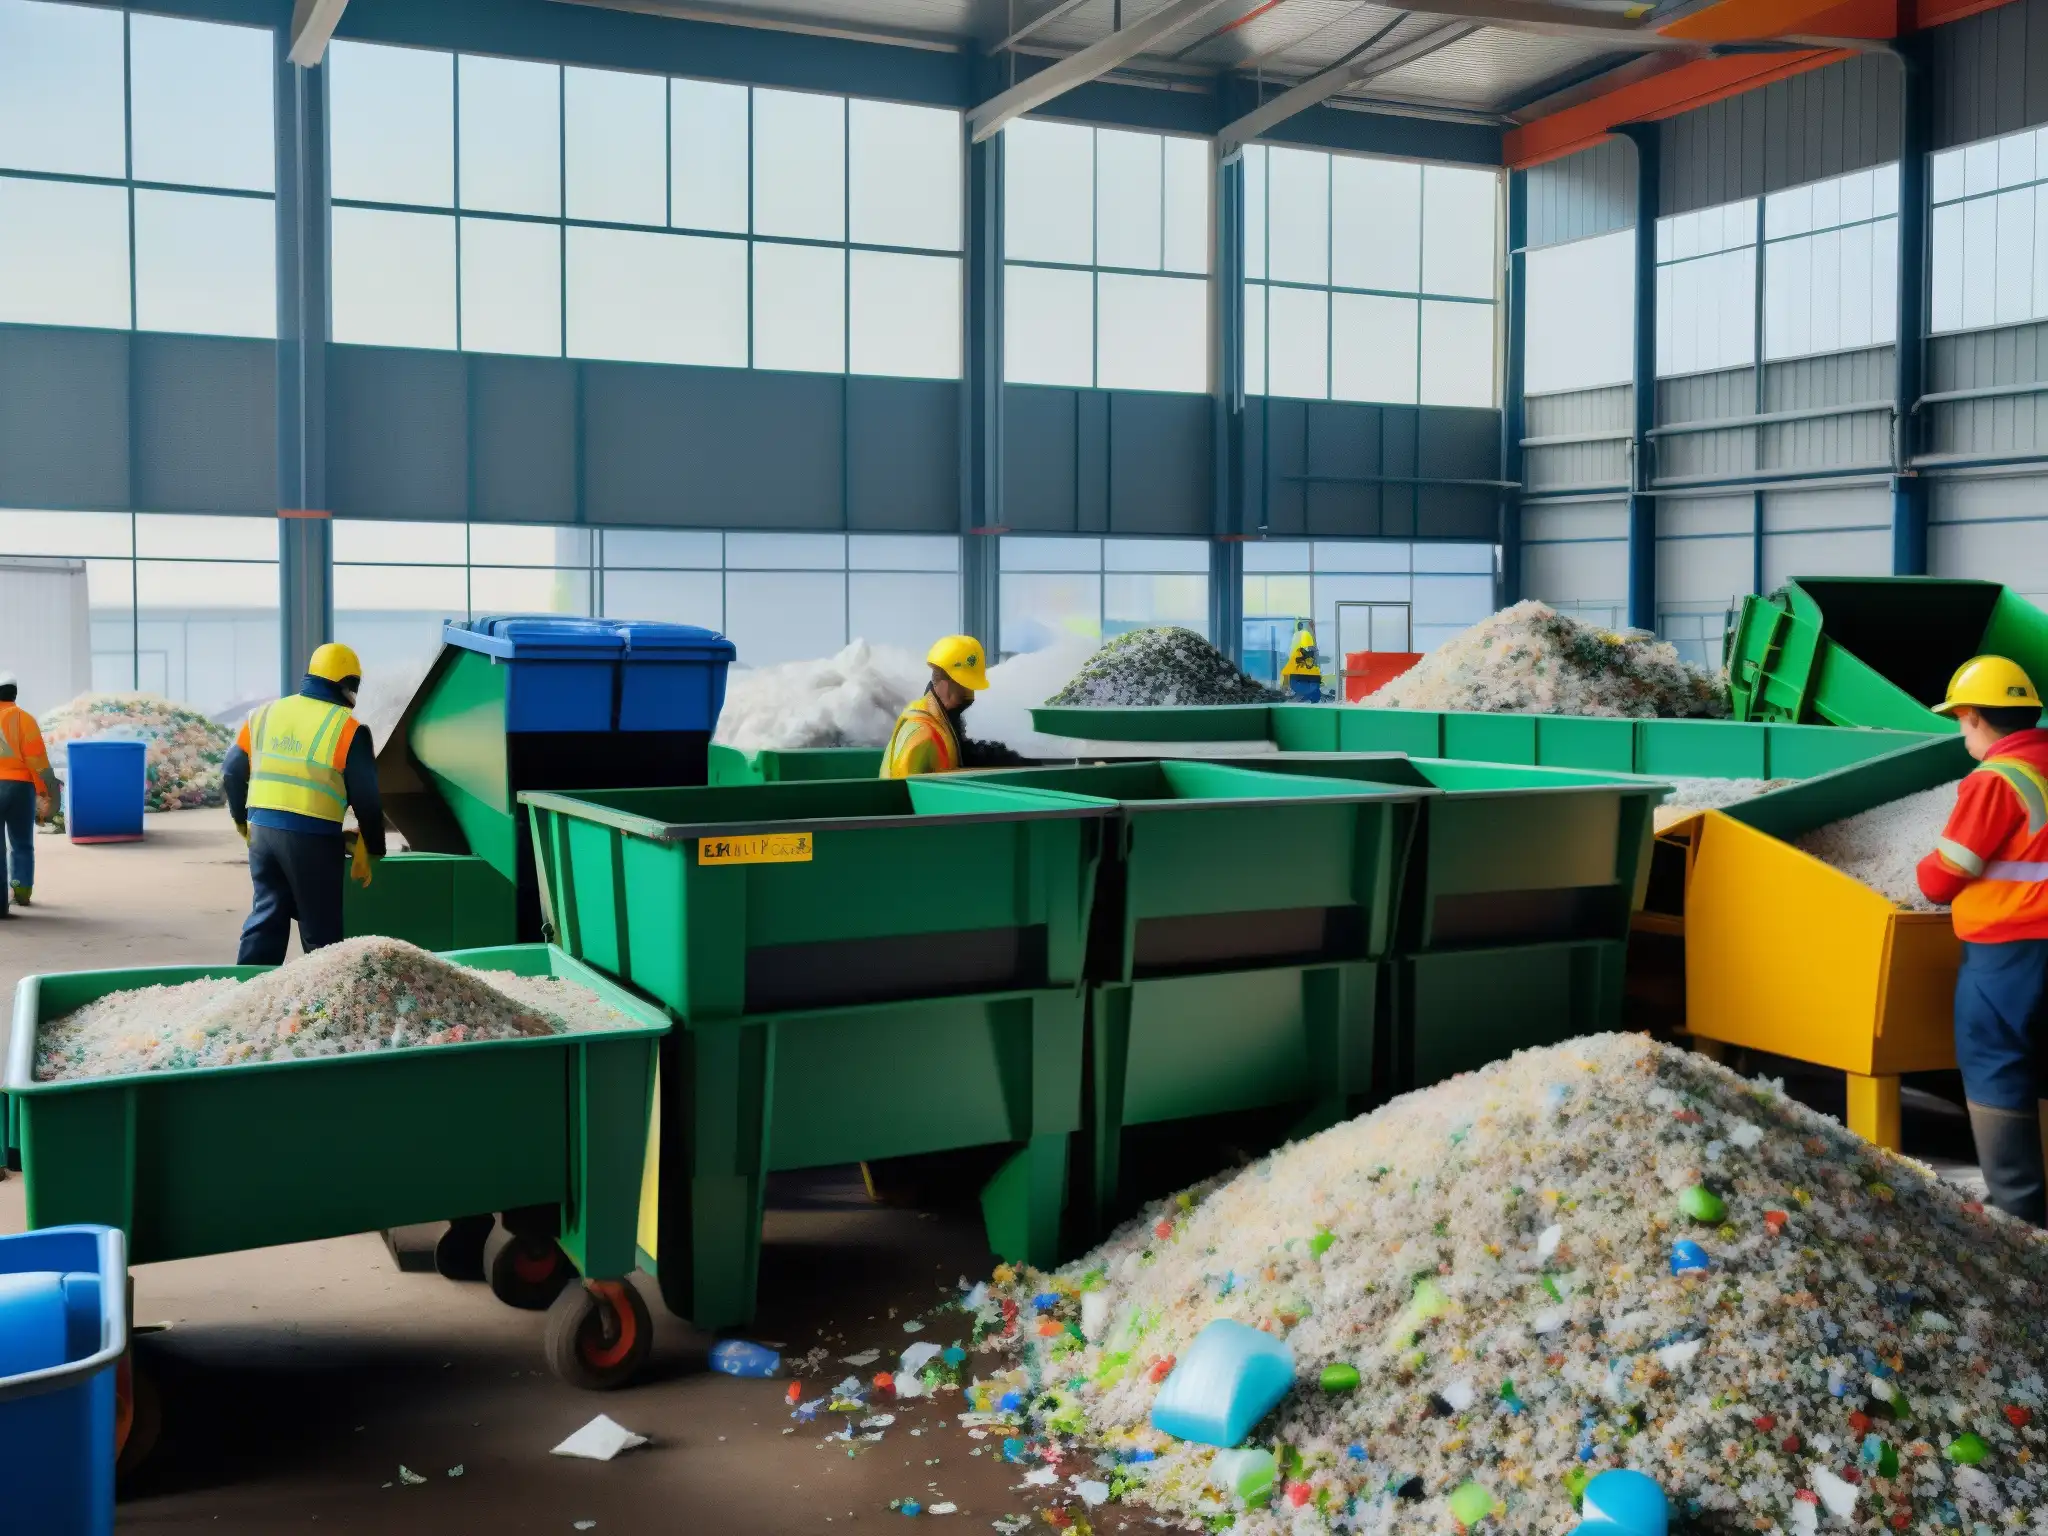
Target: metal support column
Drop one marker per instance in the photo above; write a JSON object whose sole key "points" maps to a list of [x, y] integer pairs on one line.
{"points": [[1513, 416], [305, 544], [1916, 135], [1642, 504], [981, 399], [1226, 373]]}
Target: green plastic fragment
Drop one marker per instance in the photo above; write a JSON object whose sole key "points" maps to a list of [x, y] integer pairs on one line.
{"points": [[1471, 1503], [1575, 1480], [1887, 1461], [1550, 1285], [1248, 1473], [1701, 1204], [1429, 1300], [1967, 1449], [1322, 1243], [1340, 1378]]}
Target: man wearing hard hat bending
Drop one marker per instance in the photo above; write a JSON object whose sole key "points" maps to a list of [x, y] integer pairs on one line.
{"points": [[927, 737], [297, 768], [1991, 866]]}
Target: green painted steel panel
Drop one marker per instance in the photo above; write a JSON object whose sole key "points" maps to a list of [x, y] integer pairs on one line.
{"points": [[1807, 751], [1704, 749], [435, 900], [1491, 738], [221, 1159], [1564, 741], [1170, 722], [792, 765], [1419, 732], [1458, 1012], [1303, 728], [1800, 808]]}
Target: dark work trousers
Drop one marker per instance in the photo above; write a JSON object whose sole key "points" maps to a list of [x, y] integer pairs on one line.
{"points": [[297, 876], [18, 834]]}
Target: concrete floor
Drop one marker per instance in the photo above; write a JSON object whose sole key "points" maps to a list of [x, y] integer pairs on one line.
{"points": [[298, 1380]]}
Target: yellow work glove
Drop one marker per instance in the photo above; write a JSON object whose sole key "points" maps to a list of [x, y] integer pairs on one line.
{"points": [[359, 862]]}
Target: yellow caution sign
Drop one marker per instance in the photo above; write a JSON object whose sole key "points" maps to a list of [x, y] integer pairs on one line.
{"points": [[762, 848]]}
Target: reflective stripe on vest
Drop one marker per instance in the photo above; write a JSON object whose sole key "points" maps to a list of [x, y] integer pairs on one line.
{"points": [[2028, 783], [2025, 871], [7, 747], [293, 747], [1963, 858]]}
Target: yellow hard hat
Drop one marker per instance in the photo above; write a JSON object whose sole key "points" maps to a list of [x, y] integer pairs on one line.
{"points": [[335, 662], [960, 657], [1989, 682]]}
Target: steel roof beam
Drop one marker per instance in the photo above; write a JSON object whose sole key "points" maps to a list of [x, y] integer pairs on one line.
{"points": [[1091, 63], [1338, 77], [313, 24]]}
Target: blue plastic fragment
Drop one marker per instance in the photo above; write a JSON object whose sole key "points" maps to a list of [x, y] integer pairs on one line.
{"points": [[1045, 1301], [1689, 1258], [1141, 1456], [1231, 1377], [1009, 1402], [912, 1507], [1625, 1503], [954, 1356], [1873, 1448], [1355, 1452]]}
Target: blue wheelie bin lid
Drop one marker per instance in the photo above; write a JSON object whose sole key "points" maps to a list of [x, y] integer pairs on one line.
{"points": [[537, 637], [580, 674], [653, 641]]}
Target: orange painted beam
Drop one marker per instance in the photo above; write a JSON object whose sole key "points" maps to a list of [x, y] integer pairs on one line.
{"points": [[1697, 84], [1933, 13], [1749, 21]]}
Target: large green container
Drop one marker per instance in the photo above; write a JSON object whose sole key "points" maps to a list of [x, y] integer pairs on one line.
{"points": [[221, 1159], [1873, 651], [1168, 722], [1218, 866], [1457, 1010], [772, 765], [727, 900], [1181, 1047], [435, 900], [743, 1097]]}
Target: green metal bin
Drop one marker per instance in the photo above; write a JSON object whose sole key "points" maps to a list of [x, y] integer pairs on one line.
{"points": [[860, 969], [783, 765], [221, 1159], [1873, 651], [435, 900]]}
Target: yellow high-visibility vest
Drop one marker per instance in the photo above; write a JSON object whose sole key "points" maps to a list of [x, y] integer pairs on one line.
{"points": [[297, 747]]}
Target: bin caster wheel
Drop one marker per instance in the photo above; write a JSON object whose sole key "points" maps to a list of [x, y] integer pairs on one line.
{"points": [[598, 1334], [138, 1417], [459, 1254], [525, 1272]]}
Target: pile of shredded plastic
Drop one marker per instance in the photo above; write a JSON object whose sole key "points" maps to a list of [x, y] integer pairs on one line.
{"points": [[1602, 1254], [848, 700], [1531, 659], [1691, 796], [185, 751], [1165, 665], [369, 994], [1882, 846]]}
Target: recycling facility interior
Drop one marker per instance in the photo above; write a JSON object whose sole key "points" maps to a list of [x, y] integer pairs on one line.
{"points": [[1637, 403]]}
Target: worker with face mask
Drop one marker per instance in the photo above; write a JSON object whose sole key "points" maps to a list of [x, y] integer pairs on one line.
{"points": [[28, 793], [297, 768], [927, 737], [1991, 866]]}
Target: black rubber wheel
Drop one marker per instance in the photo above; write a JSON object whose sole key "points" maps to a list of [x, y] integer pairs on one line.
{"points": [[138, 1417], [525, 1272], [459, 1254], [598, 1334]]}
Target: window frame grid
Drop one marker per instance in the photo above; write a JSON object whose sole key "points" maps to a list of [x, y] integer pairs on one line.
{"points": [[1331, 287], [127, 183], [2038, 183], [563, 222]]}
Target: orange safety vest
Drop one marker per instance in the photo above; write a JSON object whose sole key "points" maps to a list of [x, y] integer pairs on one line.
{"points": [[924, 741], [23, 758]]}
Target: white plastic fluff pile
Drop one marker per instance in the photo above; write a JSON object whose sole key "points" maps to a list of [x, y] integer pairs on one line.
{"points": [[183, 749], [1881, 846], [1494, 1256], [369, 994], [1163, 665], [848, 700], [1531, 659], [1691, 796]]}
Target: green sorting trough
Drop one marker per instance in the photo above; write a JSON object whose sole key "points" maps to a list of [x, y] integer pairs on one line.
{"points": [[784, 765], [1873, 651], [860, 968], [219, 1159], [1216, 866], [1515, 905], [435, 900]]}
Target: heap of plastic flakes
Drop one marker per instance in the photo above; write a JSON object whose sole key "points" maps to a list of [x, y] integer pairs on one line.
{"points": [[1691, 796], [1164, 665], [185, 749], [1603, 1254], [848, 700], [1882, 846], [368, 994], [1531, 659]]}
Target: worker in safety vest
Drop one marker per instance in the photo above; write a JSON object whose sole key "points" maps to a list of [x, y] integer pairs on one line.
{"points": [[927, 737], [1991, 866], [28, 793], [1303, 678], [297, 768]]}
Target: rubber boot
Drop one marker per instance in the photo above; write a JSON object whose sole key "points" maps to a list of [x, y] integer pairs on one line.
{"points": [[22, 894], [2009, 1147]]}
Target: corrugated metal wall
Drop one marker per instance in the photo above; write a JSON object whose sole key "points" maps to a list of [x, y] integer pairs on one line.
{"points": [[1990, 73], [1590, 193]]}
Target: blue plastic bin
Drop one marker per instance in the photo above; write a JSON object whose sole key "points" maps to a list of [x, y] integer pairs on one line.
{"points": [[104, 789], [63, 1327], [570, 674]]}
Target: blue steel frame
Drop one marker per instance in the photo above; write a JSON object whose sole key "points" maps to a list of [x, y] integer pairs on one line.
{"points": [[1513, 397], [1916, 142], [1642, 499]]}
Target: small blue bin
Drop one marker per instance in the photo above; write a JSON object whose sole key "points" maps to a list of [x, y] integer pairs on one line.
{"points": [[104, 790], [63, 1327], [582, 675]]}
